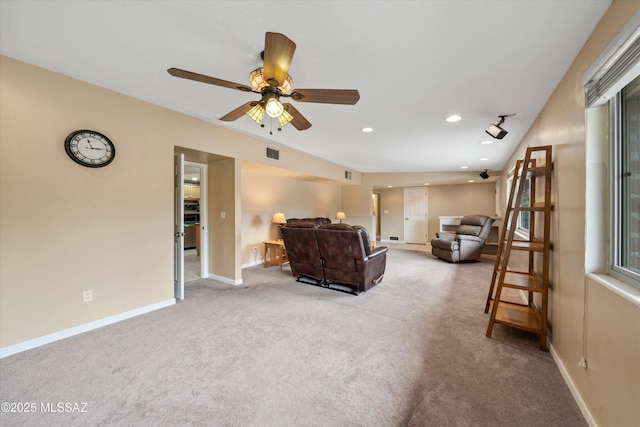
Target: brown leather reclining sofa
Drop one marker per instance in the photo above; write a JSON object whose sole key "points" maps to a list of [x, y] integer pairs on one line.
{"points": [[338, 256]]}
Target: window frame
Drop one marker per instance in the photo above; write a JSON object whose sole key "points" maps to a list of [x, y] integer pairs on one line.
{"points": [[616, 162]]}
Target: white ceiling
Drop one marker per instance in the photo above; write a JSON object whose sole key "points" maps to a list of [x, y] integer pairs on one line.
{"points": [[413, 62]]}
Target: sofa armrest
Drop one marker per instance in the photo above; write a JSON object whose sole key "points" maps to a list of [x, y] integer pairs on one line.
{"points": [[468, 238], [379, 251]]}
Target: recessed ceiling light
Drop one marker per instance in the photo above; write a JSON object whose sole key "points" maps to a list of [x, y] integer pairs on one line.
{"points": [[472, 180], [426, 183], [464, 167], [367, 130], [389, 186], [484, 159], [486, 142], [453, 118]]}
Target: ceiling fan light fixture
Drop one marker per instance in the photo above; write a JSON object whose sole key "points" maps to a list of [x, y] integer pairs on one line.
{"points": [[258, 82], [256, 78], [286, 86], [256, 113], [274, 107], [284, 118]]}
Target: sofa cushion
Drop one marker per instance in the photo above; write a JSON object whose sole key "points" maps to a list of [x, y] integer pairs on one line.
{"points": [[317, 222], [471, 230]]}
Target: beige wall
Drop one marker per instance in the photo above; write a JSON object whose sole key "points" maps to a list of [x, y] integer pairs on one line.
{"points": [[264, 195], [459, 200], [357, 204], [391, 213], [443, 200], [66, 228], [587, 319]]}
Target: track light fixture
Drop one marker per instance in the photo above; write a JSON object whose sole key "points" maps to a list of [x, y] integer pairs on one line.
{"points": [[484, 174], [496, 130]]}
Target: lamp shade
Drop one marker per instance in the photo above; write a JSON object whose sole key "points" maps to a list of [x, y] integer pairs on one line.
{"points": [[278, 218], [341, 216]]}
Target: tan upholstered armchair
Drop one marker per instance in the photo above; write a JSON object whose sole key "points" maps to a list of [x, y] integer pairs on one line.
{"points": [[468, 241]]}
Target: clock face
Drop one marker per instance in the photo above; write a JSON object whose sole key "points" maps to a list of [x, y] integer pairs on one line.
{"points": [[90, 148]]}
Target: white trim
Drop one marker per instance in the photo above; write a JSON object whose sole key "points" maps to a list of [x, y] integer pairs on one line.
{"points": [[225, 279], [252, 264], [572, 388], [76, 330], [391, 241]]}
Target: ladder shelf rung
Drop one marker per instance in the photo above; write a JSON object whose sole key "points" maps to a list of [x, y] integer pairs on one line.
{"points": [[524, 281], [536, 171], [526, 245], [518, 315]]}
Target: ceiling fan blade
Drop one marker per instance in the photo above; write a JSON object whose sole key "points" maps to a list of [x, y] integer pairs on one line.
{"points": [[326, 96], [183, 74], [238, 112], [278, 53], [298, 122]]}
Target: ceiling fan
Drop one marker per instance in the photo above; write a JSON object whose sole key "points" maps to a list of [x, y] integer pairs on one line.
{"points": [[273, 82]]}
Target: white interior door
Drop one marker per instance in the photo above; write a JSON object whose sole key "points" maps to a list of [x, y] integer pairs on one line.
{"points": [[178, 227], [415, 215]]}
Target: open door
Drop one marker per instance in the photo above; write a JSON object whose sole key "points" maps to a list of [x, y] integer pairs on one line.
{"points": [[178, 227]]}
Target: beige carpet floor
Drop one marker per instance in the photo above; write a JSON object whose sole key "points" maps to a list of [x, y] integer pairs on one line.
{"points": [[412, 351]]}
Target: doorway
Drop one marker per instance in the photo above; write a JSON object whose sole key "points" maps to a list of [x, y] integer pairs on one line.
{"points": [[194, 186]]}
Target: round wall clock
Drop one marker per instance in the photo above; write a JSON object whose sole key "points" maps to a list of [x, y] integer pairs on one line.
{"points": [[89, 148]]}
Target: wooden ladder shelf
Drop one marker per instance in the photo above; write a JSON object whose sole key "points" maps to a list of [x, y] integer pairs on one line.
{"points": [[531, 173]]}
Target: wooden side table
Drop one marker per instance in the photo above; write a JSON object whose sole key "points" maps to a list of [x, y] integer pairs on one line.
{"points": [[274, 254]]}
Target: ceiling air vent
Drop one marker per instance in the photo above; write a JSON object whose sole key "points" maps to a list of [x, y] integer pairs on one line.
{"points": [[347, 174], [272, 153]]}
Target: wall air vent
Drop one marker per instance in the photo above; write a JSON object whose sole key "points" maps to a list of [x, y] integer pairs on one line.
{"points": [[272, 153], [347, 174], [394, 238]]}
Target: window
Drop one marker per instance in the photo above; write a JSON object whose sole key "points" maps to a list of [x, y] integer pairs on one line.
{"points": [[524, 217], [624, 119], [523, 221], [613, 81]]}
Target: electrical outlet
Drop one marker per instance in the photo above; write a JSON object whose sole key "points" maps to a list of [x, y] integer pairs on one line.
{"points": [[583, 363], [87, 296]]}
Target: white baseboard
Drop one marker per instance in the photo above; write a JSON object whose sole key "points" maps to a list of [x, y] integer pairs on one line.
{"points": [[56, 336], [252, 264], [391, 241], [572, 387], [225, 279]]}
